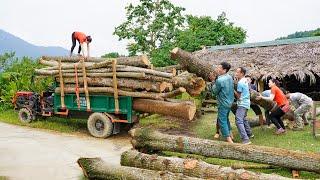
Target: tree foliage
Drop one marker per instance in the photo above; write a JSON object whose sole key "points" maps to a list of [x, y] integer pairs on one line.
{"points": [[200, 31], [302, 34], [205, 31], [149, 24], [111, 55]]}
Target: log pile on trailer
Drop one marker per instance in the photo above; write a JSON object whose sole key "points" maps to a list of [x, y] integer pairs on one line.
{"points": [[125, 76]]}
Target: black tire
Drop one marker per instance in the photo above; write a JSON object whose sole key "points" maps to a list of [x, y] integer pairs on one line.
{"points": [[25, 115], [99, 125]]}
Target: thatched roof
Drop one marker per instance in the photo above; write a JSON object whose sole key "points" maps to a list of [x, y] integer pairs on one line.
{"points": [[299, 57]]}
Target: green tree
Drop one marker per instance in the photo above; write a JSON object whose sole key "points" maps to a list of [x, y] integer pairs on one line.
{"points": [[302, 34], [111, 55], [200, 31], [205, 31], [149, 24]]}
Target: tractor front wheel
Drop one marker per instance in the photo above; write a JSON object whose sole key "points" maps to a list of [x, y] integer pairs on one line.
{"points": [[99, 125], [25, 115]]}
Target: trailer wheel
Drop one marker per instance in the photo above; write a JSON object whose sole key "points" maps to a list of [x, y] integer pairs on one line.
{"points": [[99, 125], [25, 115]]}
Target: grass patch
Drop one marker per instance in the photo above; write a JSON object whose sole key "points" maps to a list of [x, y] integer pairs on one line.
{"points": [[66, 125], [159, 122]]}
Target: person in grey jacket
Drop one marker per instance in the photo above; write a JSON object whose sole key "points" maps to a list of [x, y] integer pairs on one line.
{"points": [[302, 104]]}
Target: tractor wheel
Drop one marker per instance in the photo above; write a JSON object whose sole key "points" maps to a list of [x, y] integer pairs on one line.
{"points": [[99, 125], [25, 115]]}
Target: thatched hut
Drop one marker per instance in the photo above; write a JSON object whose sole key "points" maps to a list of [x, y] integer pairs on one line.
{"points": [[295, 62]]}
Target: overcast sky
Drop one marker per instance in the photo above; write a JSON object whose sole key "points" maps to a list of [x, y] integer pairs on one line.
{"points": [[51, 22]]}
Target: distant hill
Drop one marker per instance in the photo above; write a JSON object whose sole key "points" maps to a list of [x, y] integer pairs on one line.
{"points": [[301, 34], [9, 43]]}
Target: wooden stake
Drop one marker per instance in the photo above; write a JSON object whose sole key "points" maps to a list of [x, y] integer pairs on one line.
{"points": [[85, 84], [77, 85], [63, 106], [115, 85]]}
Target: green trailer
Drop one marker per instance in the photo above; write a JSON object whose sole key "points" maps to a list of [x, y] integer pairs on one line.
{"points": [[103, 119]]}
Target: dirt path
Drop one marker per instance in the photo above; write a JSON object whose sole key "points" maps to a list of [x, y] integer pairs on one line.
{"points": [[27, 153]]}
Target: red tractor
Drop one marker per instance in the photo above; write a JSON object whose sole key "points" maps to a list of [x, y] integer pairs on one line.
{"points": [[31, 105]]}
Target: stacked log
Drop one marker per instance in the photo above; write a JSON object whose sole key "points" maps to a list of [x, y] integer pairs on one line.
{"points": [[129, 76]]}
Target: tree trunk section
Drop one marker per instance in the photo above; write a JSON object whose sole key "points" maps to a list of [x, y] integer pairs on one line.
{"points": [[119, 75], [150, 139], [191, 63], [188, 167], [185, 110], [125, 82], [96, 168], [140, 61], [120, 68], [193, 84]]}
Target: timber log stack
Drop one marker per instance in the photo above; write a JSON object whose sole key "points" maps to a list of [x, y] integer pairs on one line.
{"points": [[125, 76]]}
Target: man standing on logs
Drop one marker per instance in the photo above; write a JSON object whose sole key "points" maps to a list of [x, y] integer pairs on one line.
{"points": [[82, 39], [243, 104], [223, 89]]}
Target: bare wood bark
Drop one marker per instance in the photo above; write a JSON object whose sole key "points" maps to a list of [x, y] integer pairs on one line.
{"points": [[63, 105], [96, 168], [188, 167], [141, 61], [147, 138], [191, 63], [168, 69], [119, 74], [120, 68], [176, 67], [193, 84], [85, 84], [185, 110], [125, 82]]}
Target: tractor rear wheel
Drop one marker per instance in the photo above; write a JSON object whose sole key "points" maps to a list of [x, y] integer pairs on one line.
{"points": [[99, 125], [25, 115]]}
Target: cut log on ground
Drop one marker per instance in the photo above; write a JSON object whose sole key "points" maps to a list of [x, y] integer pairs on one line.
{"points": [[125, 82], [185, 110], [209, 109], [150, 139], [192, 63], [110, 90], [188, 167], [193, 84], [140, 61], [96, 168]]}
